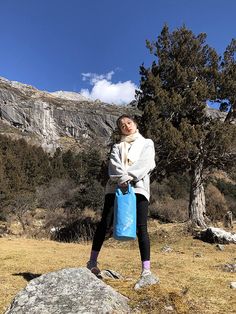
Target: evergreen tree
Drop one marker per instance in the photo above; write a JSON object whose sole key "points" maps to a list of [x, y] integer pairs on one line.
{"points": [[227, 84], [173, 95], [74, 165], [57, 164], [94, 163], [3, 181]]}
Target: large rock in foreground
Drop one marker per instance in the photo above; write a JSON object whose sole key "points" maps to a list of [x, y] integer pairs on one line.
{"points": [[72, 290]]}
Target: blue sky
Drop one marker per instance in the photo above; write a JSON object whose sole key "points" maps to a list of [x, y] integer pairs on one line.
{"points": [[96, 46]]}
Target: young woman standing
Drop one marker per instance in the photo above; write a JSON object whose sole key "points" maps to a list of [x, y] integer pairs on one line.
{"points": [[131, 161]]}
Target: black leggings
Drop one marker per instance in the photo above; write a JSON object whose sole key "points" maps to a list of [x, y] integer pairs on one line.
{"points": [[107, 220]]}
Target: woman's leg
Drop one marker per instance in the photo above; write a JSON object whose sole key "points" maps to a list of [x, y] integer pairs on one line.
{"points": [[142, 232], [103, 226], [147, 278]]}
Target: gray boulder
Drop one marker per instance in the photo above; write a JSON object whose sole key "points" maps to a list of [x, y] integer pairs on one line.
{"points": [[72, 290]]}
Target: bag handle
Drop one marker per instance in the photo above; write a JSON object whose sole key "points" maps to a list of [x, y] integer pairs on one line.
{"points": [[129, 190]]}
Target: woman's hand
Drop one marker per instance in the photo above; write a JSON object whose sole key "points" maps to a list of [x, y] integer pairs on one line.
{"points": [[124, 185]]}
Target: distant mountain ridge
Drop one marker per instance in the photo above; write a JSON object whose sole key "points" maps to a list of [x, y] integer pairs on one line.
{"points": [[57, 119], [70, 96]]}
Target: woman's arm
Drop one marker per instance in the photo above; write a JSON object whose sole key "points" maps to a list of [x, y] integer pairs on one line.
{"points": [[145, 164], [116, 170]]}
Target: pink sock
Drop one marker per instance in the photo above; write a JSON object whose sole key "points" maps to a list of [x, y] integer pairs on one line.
{"points": [[94, 255], [146, 265]]}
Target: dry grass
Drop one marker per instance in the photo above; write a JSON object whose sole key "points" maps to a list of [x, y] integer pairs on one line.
{"points": [[191, 277]]}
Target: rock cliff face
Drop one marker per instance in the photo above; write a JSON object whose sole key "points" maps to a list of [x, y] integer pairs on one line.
{"points": [[59, 119], [54, 119]]}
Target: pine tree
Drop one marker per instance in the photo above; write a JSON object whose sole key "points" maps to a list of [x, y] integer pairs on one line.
{"points": [[173, 97], [94, 162], [74, 165], [57, 164], [227, 84]]}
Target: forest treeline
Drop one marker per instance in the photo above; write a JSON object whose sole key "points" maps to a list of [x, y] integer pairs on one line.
{"points": [[63, 182], [70, 186]]}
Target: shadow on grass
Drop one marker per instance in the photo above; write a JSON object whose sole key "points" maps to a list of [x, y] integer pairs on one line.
{"points": [[27, 276]]}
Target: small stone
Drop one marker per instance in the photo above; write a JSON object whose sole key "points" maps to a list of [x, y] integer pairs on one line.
{"points": [[233, 285], [109, 273], [166, 249], [230, 268], [198, 254], [220, 247]]}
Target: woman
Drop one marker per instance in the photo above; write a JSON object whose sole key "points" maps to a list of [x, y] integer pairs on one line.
{"points": [[131, 161]]}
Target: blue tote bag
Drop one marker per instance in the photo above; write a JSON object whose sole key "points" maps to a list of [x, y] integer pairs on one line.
{"points": [[124, 227]]}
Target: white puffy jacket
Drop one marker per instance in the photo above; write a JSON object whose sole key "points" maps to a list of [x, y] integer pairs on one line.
{"points": [[138, 173]]}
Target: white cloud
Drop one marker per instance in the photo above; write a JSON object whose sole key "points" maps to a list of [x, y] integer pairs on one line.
{"points": [[93, 78], [103, 89]]}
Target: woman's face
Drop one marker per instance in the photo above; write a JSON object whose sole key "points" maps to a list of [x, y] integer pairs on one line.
{"points": [[127, 126]]}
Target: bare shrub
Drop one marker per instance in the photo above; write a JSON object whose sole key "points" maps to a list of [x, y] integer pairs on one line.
{"points": [[3, 228], [216, 204], [170, 210], [21, 206], [57, 198], [56, 193], [232, 205], [90, 213], [39, 214], [80, 230], [175, 186], [4, 213], [55, 218]]}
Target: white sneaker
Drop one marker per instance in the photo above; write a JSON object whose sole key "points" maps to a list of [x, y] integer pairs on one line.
{"points": [[146, 272], [146, 279]]}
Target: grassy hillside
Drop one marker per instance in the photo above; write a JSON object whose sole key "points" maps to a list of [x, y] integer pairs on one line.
{"points": [[192, 279]]}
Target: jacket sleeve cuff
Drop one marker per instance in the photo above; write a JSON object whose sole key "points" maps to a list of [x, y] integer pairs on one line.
{"points": [[125, 178]]}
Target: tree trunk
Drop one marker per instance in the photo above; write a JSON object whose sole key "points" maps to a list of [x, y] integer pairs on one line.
{"points": [[197, 203]]}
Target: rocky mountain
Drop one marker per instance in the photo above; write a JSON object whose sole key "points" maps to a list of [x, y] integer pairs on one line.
{"points": [[70, 96], [58, 119]]}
